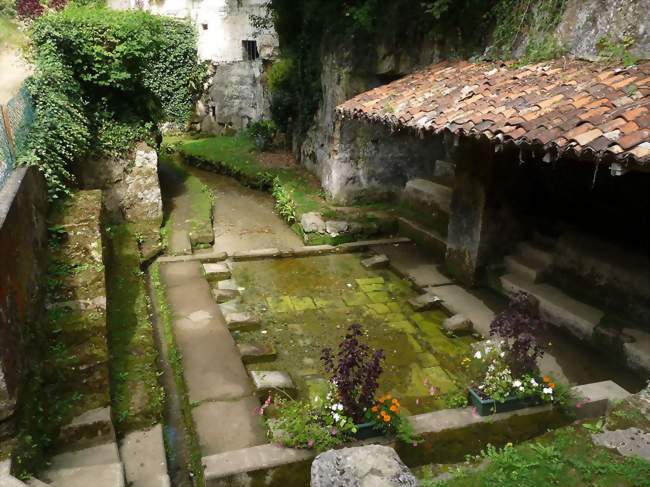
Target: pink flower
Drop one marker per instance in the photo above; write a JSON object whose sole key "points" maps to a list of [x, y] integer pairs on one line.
{"points": [[334, 431], [474, 413], [310, 443]]}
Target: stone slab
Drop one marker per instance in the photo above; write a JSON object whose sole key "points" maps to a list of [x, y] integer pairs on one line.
{"points": [[228, 284], [94, 426], [425, 302], [594, 399], [225, 295], [216, 271], [104, 454], [458, 324], [637, 353], [97, 476], [376, 262], [256, 254], [143, 455], [267, 380], [628, 442], [253, 353], [242, 321], [423, 193], [457, 300], [244, 426]]}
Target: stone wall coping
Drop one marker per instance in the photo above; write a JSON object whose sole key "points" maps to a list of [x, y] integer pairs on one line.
{"points": [[598, 395]]}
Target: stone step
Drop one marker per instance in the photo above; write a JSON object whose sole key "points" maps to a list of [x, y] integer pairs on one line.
{"points": [[242, 321], [105, 454], [535, 254], [375, 262], [524, 267], [269, 380], [253, 353], [425, 237], [93, 427], [637, 353], [423, 193], [217, 271], [34, 482], [143, 455], [111, 475], [556, 307], [224, 295]]}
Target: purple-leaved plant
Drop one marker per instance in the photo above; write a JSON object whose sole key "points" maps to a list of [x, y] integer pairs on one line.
{"points": [[355, 372], [519, 326]]}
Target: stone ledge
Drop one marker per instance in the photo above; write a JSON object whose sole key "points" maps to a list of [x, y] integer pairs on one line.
{"points": [[221, 468]]}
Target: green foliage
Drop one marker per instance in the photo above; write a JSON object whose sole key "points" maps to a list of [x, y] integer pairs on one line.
{"points": [[279, 76], [7, 8], [263, 132], [617, 50], [285, 206], [104, 79]]}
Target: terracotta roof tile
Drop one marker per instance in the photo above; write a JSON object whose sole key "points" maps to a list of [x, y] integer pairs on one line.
{"points": [[570, 104]]}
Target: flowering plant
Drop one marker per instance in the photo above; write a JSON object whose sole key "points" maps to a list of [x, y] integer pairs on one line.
{"points": [[497, 381], [355, 372], [386, 416], [319, 424]]}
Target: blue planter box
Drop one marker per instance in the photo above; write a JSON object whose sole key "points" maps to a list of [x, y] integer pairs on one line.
{"points": [[485, 407]]}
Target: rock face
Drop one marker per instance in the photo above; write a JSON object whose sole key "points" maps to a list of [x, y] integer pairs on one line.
{"points": [[132, 189], [366, 466]]}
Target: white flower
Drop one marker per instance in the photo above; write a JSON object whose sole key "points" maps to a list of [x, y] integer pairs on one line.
{"points": [[502, 354], [533, 382], [547, 390], [336, 416], [517, 383], [334, 408], [477, 354], [521, 388], [340, 407]]}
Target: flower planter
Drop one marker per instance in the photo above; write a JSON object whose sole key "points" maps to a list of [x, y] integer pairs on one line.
{"points": [[365, 431], [485, 407]]}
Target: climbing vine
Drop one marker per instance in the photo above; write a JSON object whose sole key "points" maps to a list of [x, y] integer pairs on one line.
{"points": [[105, 79]]}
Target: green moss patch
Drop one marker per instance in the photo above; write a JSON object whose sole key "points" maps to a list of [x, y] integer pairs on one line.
{"points": [[136, 395]]}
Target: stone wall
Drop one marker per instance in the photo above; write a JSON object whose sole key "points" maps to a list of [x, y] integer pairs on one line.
{"points": [[222, 25], [23, 236], [235, 97], [366, 162], [132, 189]]}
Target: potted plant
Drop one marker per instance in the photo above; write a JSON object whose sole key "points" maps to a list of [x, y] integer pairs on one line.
{"points": [[505, 369], [355, 373], [386, 417]]}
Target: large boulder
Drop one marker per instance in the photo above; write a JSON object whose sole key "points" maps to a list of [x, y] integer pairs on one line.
{"points": [[363, 466]]}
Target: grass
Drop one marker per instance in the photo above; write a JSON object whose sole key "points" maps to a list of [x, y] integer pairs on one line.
{"points": [[564, 457], [175, 359], [10, 35], [201, 202], [136, 395], [295, 190]]}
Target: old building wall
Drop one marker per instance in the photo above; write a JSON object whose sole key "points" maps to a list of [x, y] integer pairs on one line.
{"points": [[222, 25], [23, 236]]}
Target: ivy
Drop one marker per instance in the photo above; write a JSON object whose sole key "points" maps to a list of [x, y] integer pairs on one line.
{"points": [[105, 79]]}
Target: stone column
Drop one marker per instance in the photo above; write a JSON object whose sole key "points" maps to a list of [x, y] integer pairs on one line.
{"points": [[467, 219]]}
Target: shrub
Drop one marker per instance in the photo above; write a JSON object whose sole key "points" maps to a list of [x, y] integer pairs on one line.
{"points": [[263, 132], [285, 206], [355, 372], [519, 326], [29, 8], [103, 80], [7, 8]]}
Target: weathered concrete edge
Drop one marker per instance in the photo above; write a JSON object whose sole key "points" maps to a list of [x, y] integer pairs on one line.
{"points": [[263, 457], [273, 253]]}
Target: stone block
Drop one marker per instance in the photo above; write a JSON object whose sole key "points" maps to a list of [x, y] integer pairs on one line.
{"points": [[302, 304], [336, 228], [356, 299], [242, 321], [268, 380], [421, 193], [228, 285], [312, 223], [281, 304], [637, 352], [97, 475], [253, 353], [379, 297], [143, 455], [379, 308], [225, 295], [217, 272], [90, 428], [376, 262], [594, 399], [458, 324], [628, 442], [425, 302], [369, 280], [371, 465]]}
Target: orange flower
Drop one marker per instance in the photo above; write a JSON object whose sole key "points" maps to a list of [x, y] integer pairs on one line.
{"points": [[374, 409], [393, 408], [395, 401], [381, 400], [552, 385], [386, 419], [389, 397], [546, 378]]}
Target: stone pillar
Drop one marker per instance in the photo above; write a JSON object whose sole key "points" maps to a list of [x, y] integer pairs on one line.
{"points": [[467, 219]]}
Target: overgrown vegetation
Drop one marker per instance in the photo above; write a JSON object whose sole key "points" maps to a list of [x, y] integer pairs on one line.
{"points": [[136, 395], [103, 80], [564, 457]]}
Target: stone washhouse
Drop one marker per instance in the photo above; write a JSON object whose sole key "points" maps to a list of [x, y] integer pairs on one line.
{"points": [[533, 179], [238, 52]]}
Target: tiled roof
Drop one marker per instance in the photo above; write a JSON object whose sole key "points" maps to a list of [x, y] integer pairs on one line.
{"points": [[566, 107]]}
